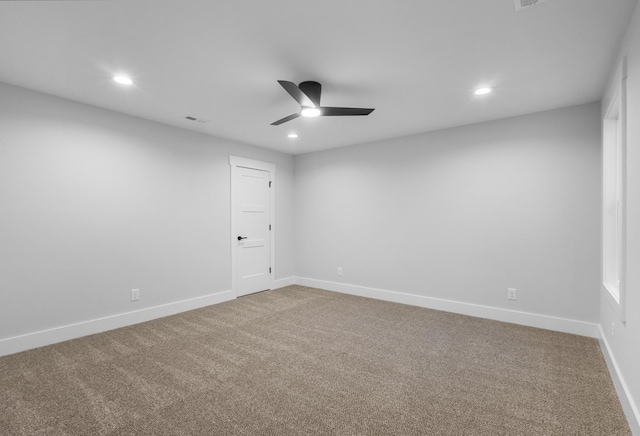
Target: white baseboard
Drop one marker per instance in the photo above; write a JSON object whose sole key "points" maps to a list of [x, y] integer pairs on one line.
{"points": [[630, 409], [283, 283], [523, 318], [72, 331]]}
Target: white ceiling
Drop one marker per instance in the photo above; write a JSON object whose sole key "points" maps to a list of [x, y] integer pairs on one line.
{"points": [[415, 61]]}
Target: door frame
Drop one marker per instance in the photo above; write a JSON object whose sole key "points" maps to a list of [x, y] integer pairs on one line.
{"points": [[240, 162]]}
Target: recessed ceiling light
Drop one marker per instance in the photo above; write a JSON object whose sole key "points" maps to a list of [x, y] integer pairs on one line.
{"points": [[123, 80], [310, 112], [292, 135], [482, 91]]}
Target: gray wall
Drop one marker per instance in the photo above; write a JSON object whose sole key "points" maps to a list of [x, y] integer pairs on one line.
{"points": [[462, 214], [95, 203], [625, 343]]}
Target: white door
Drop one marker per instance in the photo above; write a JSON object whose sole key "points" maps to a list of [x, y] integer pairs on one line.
{"points": [[251, 230]]}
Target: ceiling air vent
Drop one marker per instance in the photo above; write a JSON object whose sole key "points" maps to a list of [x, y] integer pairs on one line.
{"points": [[521, 4], [197, 120]]}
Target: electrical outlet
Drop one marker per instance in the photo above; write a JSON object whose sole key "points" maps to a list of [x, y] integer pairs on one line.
{"points": [[511, 294], [135, 294], [340, 271]]}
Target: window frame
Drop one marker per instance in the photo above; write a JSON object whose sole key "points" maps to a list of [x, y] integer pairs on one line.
{"points": [[614, 193]]}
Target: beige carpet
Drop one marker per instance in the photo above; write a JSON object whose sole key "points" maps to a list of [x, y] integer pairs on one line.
{"points": [[305, 361]]}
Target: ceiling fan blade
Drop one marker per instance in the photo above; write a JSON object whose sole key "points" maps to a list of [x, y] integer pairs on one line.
{"points": [[296, 93], [343, 111], [285, 119]]}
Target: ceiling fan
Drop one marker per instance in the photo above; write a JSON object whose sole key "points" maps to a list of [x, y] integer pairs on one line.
{"points": [[307, 94]]}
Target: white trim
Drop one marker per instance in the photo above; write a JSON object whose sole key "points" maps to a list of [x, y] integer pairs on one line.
{"points": [[99, 325], [616, 109], [630, 409], [236, 161], [241, 162], [283, 283], [564, 325]]}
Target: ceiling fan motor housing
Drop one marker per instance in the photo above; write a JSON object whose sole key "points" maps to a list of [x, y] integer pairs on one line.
{"points": [[313, 91]]}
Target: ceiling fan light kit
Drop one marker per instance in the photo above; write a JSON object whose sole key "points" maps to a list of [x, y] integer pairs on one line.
{"points": [[307, 94], [310, 112]]}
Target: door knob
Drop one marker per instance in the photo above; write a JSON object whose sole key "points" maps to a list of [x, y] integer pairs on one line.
{"points": [[240, 238]]}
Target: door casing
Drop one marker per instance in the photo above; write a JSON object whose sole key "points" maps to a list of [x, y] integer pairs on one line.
{"points": [[239, 162]]}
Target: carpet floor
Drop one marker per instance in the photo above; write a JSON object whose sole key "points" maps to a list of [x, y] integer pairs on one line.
{"points": [[305, 361]]}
